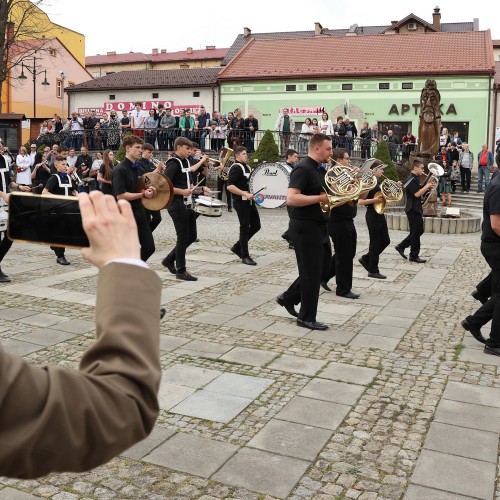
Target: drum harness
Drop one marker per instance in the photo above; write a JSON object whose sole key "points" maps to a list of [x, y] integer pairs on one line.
{"points": [[188, 200], [66, 187], [245, 173]]}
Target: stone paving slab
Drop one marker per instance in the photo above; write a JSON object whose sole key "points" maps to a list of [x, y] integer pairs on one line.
{"points": [[335, 392], [464, 476], [75, 326], [264, 472], [393, 332], [13, 494], [192, 454], [239, 385], [171, 395], [208, 318], [290, 439], [416, 492], [349, 373], [45, 337], [189, 376], [473, 394], [477, 355], [16, 313], [392, 321], [45, 292], [158, 435], [19, 347], [248, 356], [413, 305], [400, 312], [225, 308], [331, 335], [43, 319], [249, 323], [289, 329], [207, 347], [468, 415], [375, 342], [314, 412], [170, 342], [297, 364]]}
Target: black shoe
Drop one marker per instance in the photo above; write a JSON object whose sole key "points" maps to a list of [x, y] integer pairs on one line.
{"points": [[163, 311], [364, 264], [478, 296], [185, 276], [400, 251], [285, 237], [480, 191], [197, 240], [289, 307], [377, 275], [325, 286], [492, 350], [169, 265], [349, 295], [62, 260], [4, 278], [312, 325], [475, 332], [3, 275], [418, 260], [229, 209], [248, 261], [236, 251]]}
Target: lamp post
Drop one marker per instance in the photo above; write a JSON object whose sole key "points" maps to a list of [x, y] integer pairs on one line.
{"points": [[63, 76], [33, 71]]}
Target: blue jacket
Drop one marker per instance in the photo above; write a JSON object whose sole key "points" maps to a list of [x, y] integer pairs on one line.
{"points": [[489, 158]]}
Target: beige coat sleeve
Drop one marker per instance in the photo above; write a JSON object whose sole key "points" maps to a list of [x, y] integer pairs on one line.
{"points": [[60, 419]]}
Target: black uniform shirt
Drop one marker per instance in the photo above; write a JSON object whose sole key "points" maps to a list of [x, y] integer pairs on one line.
{"points": [[413, 203], [56, 180], [238, 178], [345, 212], [371, 194], [309, 178], [173, 171], [83, 162], [124, 179], [147, 165], [491, 207], [5, 175]]}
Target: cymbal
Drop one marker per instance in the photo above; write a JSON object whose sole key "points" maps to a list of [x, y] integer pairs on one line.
{"points": [[162, 188]]}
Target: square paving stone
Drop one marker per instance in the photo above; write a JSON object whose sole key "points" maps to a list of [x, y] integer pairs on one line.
{"points": [[75, 326], [170, 343], [407, 304], [12, 494], [464, 476], [349, 373], [189, 376], [393, 332], [468, 443], [192, 454], [20, 348], [335, 392], [13, 313], [468, 415], [336, 336], [375, 342], [212, 318], [416, 492], [247, 356], [208, 347], [158, 435], [400, 312], [289, 329], [43, 319], [249, 323], [477, 355], [290, 439], [475, 394], [392, 321], [262, 472], [471, 343], [296, 364], [214, 406], [239, 385], [231, 308], [45, 336], [170, 395], [340, 309], [314, 412]]}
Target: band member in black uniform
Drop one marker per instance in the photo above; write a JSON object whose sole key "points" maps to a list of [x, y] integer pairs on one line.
{"points": [[61, 184], [221, 185], [125, 176], [180, 172], [377, 227], [201, 171], [490, 248], [292, 157], [6, 185], [244, 204], [153, 216], [343, 233], [414, 212], [309, 234]]}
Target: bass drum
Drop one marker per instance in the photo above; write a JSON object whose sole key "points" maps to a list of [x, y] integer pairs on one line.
{"points": [[276, 177]]}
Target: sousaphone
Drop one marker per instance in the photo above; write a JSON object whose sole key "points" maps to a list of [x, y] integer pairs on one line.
{"points": [[162, 188]]}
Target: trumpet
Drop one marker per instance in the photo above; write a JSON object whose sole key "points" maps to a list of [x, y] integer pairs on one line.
{"points": [[156, 162]]}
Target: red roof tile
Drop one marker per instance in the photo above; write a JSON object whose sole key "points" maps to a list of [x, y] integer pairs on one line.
{"points": [[361, 56]]}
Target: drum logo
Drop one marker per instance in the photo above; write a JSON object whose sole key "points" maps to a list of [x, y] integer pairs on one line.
{"points": [[259, 198], [271, 173]]}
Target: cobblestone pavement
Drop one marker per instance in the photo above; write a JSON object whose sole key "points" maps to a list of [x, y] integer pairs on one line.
{"points": [[391, 402]]}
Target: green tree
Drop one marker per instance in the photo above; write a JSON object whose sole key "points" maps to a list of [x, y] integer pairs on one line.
{"points": [[382, 154], [267, 150], [120, 154], [41, 148]]}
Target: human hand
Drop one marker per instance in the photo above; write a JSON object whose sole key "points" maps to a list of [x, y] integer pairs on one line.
{"points": [[207, 190], [249, 196], [24, 188], [378, 199], [110, 228], [148, 193], [187, 192]]}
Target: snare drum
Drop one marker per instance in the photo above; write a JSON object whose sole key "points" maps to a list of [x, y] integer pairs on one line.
{"points": [[4, 215], [276, 177], [208, 207]]}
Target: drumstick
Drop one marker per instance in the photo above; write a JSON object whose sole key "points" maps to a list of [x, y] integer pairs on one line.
{"points": [[261, 189]]}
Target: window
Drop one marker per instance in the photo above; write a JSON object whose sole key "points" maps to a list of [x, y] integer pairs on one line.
{"points": [[59, 88], [291, 88], [383, 86], [110, 72], [461, 127], [312, 86], [412, 26], [96, 74], [347, 86], [196, 94], [184, 66], [407, 85], [399, 128], [155, 95], [52, 52], [112, 97]]}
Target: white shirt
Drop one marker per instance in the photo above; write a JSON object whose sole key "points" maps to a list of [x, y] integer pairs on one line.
{"points": [[325, 127], [71, 160], [32, 158], [23, 177], [137, 118]]}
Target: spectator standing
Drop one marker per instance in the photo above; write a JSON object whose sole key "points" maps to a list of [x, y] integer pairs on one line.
{"points": [[325, 125], [83, 163], [150, 126], [113, 139], [251, 126], [351, 132], [203, 126], [71, 159], [92, 121], [444, 138], [465, 162], [162, 138], [455, 176], [76, 123], [41, 170], [392, 142], [168, 124], [452, 154], [32, 154], [456, 139], [186, 124], [286, 126], [235, 136], [409, 142], [339, 132], [445, 184], [485, 161], [104, 130], [137, 118], [23, 162], [125, 124], [305, 134], [366, 137], [105, 175]]}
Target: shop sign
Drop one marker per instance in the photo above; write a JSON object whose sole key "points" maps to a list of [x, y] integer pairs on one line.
{"points": [[405, 108]]}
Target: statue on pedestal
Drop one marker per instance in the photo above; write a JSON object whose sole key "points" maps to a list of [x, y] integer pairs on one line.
{"points": [[429, 127]]}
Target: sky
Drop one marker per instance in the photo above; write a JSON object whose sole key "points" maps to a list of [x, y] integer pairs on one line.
{"points": [[126, 25]]}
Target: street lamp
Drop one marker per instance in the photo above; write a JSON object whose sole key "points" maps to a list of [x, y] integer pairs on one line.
{"points": [[63, 76], [33, 71]]}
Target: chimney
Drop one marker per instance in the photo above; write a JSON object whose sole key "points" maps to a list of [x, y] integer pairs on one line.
{"points": [[111, 53], [190, 50], [247, 32], [163, 51], [393, 23], [317, 29], [210, 47], [353, 30], [436, 18], [155, 52]]}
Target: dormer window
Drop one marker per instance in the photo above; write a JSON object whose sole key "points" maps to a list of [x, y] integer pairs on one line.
{"points": [[412, 26]]}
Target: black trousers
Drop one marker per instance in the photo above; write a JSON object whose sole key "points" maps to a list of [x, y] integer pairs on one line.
{"points": [[465, 175], [379, 239], [4, 246], [59, 251], [416, 222], [313, 253], [344, 237], [184, 220], [491, 309], [154, 218], [221, 185], [248, 216], [144, 231], [483, 287]]}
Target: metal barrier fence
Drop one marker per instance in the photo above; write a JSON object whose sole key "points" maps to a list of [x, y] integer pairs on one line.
{"points": [[163, 140]]}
